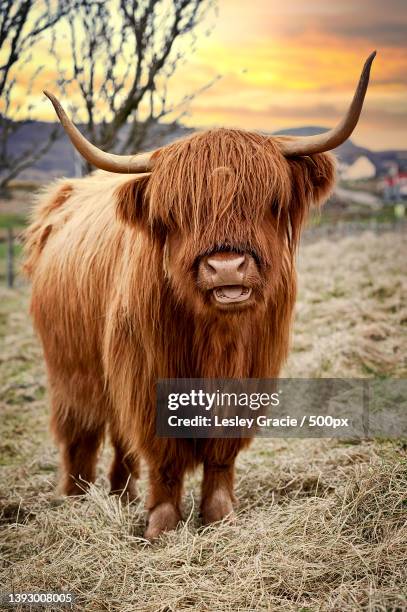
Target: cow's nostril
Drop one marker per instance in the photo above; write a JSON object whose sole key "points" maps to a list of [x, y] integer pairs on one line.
{"points": [[242, 265], [211, 268]]}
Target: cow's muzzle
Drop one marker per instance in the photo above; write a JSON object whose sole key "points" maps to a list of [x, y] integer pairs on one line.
{"points": [[228, 276]]}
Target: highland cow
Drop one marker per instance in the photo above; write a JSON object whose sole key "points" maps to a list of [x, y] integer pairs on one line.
{"points": [[184, 269]]}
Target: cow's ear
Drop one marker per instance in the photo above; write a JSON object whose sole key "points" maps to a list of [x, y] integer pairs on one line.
{"points": [[131, 201], [313, 178]]}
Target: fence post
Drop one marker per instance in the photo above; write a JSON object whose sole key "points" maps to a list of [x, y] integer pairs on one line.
{"points": [[10, 257]]}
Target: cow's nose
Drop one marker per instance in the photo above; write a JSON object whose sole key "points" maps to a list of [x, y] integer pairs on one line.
{"points": [[226, 269]]}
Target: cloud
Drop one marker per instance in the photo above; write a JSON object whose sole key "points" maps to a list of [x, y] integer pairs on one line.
{"points": [[388, 33], [374, 21], [325, 114]]}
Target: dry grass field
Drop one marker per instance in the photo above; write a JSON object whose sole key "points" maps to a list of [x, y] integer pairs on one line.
{"points": [[322, 524]]}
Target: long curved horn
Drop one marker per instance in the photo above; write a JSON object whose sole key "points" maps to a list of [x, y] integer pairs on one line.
{"points": [[307, 145], [125, 164]]}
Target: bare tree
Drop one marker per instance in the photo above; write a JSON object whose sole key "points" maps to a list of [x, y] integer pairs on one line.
{"points": [[124, 53], [22, 24]]}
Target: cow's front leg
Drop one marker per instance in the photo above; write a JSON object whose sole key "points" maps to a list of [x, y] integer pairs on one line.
{"points": [[217, 493], [217, 486], [164, 503]]}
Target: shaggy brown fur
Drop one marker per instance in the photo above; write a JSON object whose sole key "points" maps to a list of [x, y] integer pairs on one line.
{"points": [[116, 303]]}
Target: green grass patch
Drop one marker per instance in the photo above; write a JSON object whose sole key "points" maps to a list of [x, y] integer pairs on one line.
{"points": [[13, 220], [3, 249], [17, 250]]}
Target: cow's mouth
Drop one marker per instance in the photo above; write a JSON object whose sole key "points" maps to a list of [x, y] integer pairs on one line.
{"points": [[231, 294]]}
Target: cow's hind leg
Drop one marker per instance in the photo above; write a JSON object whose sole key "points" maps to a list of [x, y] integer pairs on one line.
{"points": [[124, 471], [79, 443]]}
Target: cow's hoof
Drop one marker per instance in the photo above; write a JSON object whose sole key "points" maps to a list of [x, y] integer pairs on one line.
{"points": [[163, 517], [217, 507]]}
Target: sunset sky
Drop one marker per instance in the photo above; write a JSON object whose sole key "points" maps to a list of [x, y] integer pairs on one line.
{"points": [[292, 63]]}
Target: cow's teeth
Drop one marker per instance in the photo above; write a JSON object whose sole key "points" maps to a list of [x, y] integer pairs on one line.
{"points": [[229, 294]]}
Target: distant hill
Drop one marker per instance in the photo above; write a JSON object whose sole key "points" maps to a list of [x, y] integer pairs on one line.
{"points": [[60, 160], [348, 152]]}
